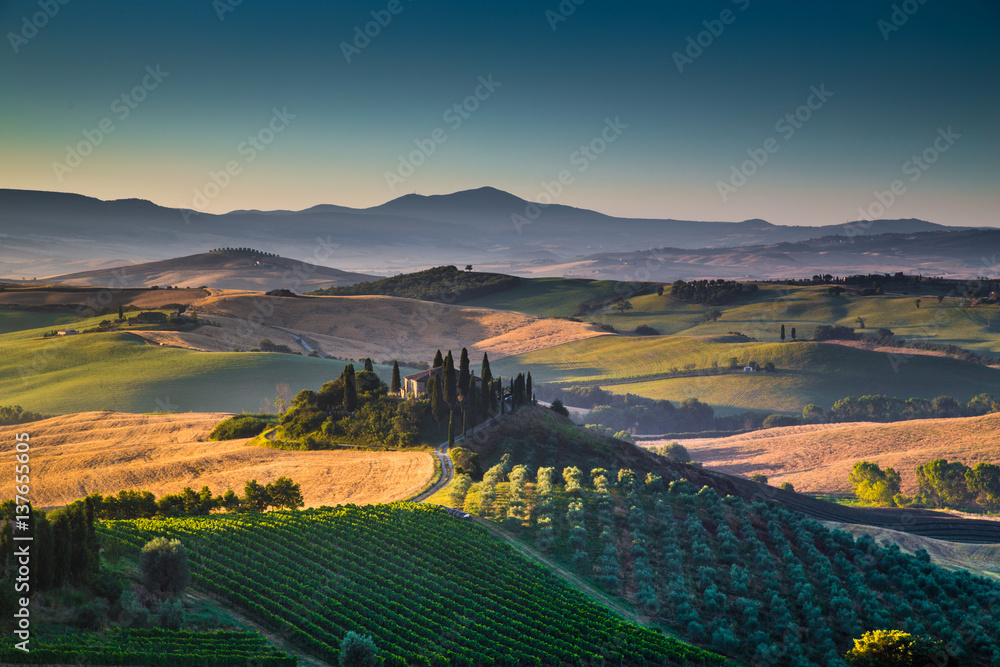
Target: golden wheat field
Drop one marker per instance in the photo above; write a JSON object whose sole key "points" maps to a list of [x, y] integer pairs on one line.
{"points": [[78, 454], [818, 458]]}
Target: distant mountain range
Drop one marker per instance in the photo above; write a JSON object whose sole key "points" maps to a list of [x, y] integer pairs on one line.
{"points": [[48, 233]]}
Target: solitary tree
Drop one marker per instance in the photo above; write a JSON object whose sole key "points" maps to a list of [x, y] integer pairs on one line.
{"points": [[164, 566], [793, 333], [486, 376], [861, 322], [917, 303], [358, 651], [395, 384], [438, 360], [368, 365], [528, 390], [874, 485], [713, 315], [623, 305], [283, 493], [468, 267], [121, 312], [782, 333]]}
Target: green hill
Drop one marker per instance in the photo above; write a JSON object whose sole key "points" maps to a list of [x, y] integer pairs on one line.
{"points": [[680, 367], [559, 297], [118, 371]]}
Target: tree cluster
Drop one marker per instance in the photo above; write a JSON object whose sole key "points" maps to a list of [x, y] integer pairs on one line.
{"points": [[940, 484], [445, 284], [711, 292]]}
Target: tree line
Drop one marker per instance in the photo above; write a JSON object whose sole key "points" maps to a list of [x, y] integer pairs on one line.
{"points": [[443, 283], [709, 292], [940, 484]]}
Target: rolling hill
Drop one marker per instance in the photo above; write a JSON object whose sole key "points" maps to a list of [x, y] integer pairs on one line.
{"points": [[218, 270], [105, 452], [680, 367], [818, 458]]}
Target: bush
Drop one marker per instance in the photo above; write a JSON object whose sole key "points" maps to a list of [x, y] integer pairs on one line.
{"points": [[674, 450], [760, 478], [774, 421], [93, 615], [164, 567], [826, 332], [895, 648], [240, 426], [787, 486], [358, 651], [171, 615], [558, 408], [643, 330]]}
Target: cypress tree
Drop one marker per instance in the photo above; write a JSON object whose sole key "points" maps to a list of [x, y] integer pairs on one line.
{"points": [[45, 560], [793, 333], [368, 365], [438, 360], [395, 385], [471, 401], [121, 312], [465, 420], [451, 428], [350, 389], [450, 387], [528, 391], [438, 406], [463, 372], [486, 376], [782, 333]]}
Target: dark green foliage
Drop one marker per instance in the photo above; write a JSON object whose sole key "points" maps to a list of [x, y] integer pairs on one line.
{"points": [[673, 450], [451, 427], [15, 414], [281, 292], [486, 377], [350, 389], [438, 360], [241, 426], [444, 283], [267, 345], [164, 567], [774, 421], [368, 365], [358, 651], [828, 332], [463, 372], [645, 330], [895, 648], [396, 383], [558, 408], [943, 484], [435, 386], [711, 292], [883, 408], [450, 387]]}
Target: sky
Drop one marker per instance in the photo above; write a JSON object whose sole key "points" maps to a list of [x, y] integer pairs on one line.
{"points": [[803, 113]]}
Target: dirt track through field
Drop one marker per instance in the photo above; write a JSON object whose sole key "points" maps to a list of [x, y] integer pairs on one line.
{"points": [[75, 455]]}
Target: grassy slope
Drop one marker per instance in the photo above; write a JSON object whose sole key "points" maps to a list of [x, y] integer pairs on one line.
{"points": [[548, 297], [808, 372], [18, 320], [117, 371], [762, 315]]}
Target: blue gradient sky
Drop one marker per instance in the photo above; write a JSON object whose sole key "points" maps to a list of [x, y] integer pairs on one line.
{"points": [[686, 130]]}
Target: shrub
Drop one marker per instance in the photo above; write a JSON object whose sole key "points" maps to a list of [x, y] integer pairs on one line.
{"points": [[558, 408], [164, 566], [643, 330], [895, 648], [760, 478], [240, 426], [774, 421], [358, 651]]}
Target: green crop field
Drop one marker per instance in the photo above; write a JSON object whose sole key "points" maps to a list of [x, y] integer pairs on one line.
{"points": [[430, 589], [149, 647], [118, 371], [807, 372]]}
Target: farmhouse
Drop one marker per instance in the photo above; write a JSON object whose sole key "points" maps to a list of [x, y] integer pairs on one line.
{"points": [[67, 332], [415, 386]]}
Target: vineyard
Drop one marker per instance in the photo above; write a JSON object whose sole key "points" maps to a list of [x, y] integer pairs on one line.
{"points": [[754, 581], [150, 648], [430, 589]]}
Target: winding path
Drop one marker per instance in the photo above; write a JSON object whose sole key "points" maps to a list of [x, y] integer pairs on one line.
{"points": [[447, 467]]}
